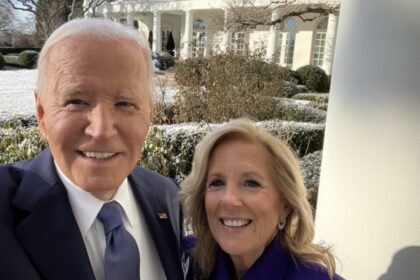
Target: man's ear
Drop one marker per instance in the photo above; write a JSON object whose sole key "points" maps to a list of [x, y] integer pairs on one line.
{"points": [[40, 114]]}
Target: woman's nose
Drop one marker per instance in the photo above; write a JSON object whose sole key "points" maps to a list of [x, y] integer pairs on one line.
{"points": [[232, 197]]}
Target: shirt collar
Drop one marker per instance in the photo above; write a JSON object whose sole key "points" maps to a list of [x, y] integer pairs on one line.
{"points": [[86, 207]]}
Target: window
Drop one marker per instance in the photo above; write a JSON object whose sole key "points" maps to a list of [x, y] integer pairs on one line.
{"points": [[164, 39], [198, 43], [199, 39], [286, 43], [320, 38], [238, 42]]}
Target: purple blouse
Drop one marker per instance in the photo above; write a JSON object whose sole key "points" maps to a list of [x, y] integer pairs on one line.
{"points": [[274, 263]]}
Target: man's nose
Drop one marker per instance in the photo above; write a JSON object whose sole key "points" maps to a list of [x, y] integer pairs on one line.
{"points": [[101, 122], [232, 196]]}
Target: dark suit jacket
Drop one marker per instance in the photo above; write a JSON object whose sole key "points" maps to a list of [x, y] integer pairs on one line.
{"points": [[39, 235]]}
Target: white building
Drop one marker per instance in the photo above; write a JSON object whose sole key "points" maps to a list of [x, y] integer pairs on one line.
{"points": [[293, 44]]}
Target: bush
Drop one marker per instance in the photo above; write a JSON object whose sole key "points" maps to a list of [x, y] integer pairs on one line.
{"points": [[19, 143], [288, 110], [11, 59], [2, 62], [314, 78], [311, 169], [28, 58], [190, 72], [289, 75], [221, 87], [318, 101], [169, 149]]}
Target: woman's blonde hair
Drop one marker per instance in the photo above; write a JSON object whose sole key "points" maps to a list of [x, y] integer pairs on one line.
{"points": [[296, 237]]}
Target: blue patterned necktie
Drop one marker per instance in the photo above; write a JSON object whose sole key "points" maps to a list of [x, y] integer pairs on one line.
{"points": [[122, 260]]}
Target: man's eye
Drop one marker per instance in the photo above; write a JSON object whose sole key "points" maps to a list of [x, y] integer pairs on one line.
{"points": [[216, 183], [76, 102], [124, 104], [252, 183]]}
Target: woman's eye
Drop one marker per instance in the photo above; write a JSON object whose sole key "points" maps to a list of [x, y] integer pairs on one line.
{"points": [[216, 183], [252, 183]]}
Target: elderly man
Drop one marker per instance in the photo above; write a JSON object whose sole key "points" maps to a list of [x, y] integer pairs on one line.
{"points": [[81, 209]]}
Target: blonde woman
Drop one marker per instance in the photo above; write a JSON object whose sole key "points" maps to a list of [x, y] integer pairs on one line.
{"points": [[247, 206]]}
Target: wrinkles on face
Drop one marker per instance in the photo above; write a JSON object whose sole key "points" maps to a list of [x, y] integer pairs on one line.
{"points": [[95, 99]]}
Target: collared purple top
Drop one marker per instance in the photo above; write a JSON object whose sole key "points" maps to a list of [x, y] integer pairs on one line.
{"points": [[274, 263]]}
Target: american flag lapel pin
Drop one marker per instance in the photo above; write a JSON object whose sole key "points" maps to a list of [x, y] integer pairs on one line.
{"points": [[162, 216]]}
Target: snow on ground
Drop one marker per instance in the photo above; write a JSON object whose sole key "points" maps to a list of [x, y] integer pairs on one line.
{"points": [[16, 92]]}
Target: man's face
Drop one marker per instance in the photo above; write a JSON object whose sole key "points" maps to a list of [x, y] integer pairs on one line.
{"points": [[94, 110]]}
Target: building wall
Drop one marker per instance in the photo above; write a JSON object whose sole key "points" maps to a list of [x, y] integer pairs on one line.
{"points": [[173, 18]]}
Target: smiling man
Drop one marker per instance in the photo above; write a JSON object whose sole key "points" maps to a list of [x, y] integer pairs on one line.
{"points": [[82, 209]]}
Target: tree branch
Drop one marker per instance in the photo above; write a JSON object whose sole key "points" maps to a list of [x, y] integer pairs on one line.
{"points": [[28, 6]]}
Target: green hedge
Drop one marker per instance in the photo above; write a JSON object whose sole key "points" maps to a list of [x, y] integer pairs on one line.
{"points": [[2, 62], [169, 149], [314, 78], [26, 59]]}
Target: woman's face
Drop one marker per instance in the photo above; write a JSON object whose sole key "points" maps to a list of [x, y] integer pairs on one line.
{"points": [[243, 204]]}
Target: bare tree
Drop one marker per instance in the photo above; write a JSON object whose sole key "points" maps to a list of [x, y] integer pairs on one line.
{"points": [[48, 14], [6, 14], [77, 8], [245, 14]]}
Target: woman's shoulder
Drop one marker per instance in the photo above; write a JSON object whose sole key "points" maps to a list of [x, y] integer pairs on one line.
{"points": [[190, 269], [302, 271]]}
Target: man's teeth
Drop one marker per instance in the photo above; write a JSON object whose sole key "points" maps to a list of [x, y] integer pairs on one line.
{"points": [[98, 155], [235, 223]]}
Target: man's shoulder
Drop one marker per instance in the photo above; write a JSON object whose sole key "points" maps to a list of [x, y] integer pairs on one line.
{"points": [[10, 175]]}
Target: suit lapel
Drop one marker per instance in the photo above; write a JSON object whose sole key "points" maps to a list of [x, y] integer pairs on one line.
{"points": [[49, 233], [158, 220]]}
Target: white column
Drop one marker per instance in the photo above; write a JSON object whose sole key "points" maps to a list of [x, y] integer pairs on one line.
{"points": [[369, 196], [272, 39], [186, 41], [227, 36], [130, 10], [330, 43], [156, 46], [106, 10]]}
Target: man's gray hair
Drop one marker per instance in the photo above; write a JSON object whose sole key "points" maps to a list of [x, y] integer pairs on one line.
{"points": [[101, 29]]}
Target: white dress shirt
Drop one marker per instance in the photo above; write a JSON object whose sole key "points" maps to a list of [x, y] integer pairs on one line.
{"points": [[86, 208]]}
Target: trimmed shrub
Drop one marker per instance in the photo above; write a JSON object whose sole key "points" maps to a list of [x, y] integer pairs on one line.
{"points": [[311, 169], [28, 58], [2, 62], [289, 75], [291, 89], [11, 59], [300, 111], [318, 101], [222, 87], [169, 149], [303, 138], [314, 78]]}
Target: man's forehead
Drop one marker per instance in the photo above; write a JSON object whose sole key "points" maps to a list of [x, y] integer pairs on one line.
{"points": [[81, 44]]}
